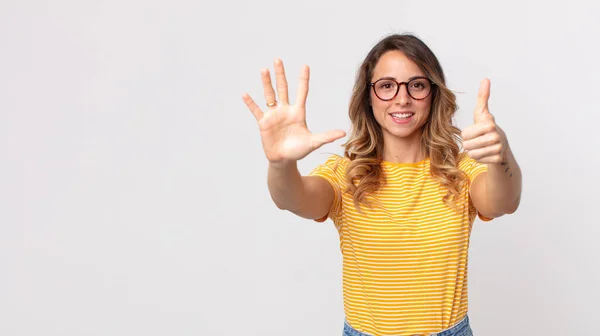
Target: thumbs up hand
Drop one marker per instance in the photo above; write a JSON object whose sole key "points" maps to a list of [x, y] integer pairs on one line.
{"points": [[485, 141]]}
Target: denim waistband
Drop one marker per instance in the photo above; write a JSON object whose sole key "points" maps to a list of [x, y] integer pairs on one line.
{"points": [[462, 328]]}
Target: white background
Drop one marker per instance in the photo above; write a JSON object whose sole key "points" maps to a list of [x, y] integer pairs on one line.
{"points": [[133, 195]]}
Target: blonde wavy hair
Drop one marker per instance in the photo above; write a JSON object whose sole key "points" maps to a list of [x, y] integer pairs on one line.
{"points": [[440, 140]]}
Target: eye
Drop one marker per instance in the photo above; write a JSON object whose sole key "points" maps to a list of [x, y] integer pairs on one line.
{"points": [[386, 85], [419, 84]]}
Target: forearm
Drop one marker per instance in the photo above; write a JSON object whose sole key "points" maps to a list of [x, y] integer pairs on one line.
{"points": [[504, 184], [285, 185]]}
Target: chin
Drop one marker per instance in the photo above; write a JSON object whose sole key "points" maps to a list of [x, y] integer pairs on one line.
{"points": [[402, 131], [403, 134]]}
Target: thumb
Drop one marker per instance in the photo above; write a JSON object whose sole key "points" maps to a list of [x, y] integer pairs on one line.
{"points": [[481, 110], [318, 140]]}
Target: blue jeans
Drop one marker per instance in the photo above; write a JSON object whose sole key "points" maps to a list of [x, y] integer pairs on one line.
{"points": [[462, 328]]}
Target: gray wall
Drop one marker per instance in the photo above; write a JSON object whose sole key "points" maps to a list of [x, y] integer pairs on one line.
{"points": [[133, 198]]}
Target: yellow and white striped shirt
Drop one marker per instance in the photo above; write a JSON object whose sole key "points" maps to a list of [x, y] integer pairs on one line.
{"points": [[404, 260]]}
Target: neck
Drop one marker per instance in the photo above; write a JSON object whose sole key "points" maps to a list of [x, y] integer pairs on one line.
{"points": [[403, 150]]}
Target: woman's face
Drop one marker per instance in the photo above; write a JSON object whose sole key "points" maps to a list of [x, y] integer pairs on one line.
{"points": [[401, 116]]}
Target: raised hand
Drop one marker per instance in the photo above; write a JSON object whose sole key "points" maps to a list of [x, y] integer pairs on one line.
{"points": [[484, 141], [284, 134]]}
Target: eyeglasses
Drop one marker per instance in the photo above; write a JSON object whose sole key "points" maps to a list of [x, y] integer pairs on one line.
{"points": [[387, 89]]}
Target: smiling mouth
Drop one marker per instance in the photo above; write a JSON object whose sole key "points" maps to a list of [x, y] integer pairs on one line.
{"points": [[402, 115]]}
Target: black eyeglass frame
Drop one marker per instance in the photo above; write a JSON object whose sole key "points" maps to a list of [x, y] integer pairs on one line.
{"points": [[399, 84]]}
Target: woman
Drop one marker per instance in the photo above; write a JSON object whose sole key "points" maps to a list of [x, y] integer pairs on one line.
{"points": [[404, 196]]}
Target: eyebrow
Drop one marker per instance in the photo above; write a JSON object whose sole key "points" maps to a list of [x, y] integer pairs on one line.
{"points": [[394, 78]]}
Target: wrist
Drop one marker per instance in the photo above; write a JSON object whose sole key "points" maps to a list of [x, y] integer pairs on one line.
{"points": [[282, 164]]}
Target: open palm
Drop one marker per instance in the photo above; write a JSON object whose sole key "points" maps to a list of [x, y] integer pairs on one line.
{"points": [[283, 130]]}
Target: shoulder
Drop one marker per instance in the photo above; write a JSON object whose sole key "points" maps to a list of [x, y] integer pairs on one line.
{"points": [[470, 166], [334, 163], [337, 159], [464, 160], [333, 169]]}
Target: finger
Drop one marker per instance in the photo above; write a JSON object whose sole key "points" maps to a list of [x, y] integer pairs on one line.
{"points": [[494, 159], [318, 140], [486, 140], [478, 130], [303, 86], [282, 85], [484, 94], [480, 153], [482, 99], [268, 86], [256, 111], [486, 115]]}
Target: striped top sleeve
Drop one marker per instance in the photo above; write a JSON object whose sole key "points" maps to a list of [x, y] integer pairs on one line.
{"points": [[473, 168], [333, 171]]}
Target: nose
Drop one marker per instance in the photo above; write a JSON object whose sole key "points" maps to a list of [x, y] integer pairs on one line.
{"points": [[403, 98]]}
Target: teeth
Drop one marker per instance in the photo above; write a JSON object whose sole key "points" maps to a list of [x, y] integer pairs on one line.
{"points": [[401, 115]]}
